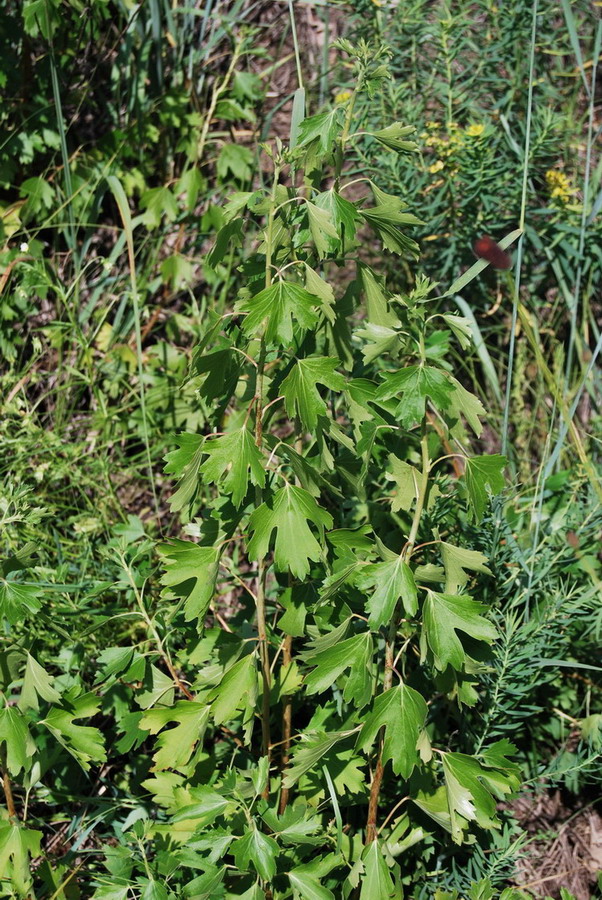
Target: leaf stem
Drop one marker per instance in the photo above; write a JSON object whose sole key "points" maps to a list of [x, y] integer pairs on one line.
{"points": [[260, 608], [371, 829], [287, 723]]}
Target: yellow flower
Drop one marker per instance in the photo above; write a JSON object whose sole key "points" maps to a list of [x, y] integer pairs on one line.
{"points": [[342, 97], [475, 130], [436, 166], [559, 185], [433, 125]]}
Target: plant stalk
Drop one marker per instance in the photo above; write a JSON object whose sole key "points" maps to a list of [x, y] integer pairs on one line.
{"points": [[287, 723], [371, 829], [8, 791], [264, 652]]}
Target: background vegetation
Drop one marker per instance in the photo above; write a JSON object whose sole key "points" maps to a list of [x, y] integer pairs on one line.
{"points": [[135, 139]]}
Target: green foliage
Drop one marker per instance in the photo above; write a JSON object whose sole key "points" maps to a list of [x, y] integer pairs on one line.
{"points": [[303, 682]]}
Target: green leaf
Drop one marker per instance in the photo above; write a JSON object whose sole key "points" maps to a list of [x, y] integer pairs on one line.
{"points": [[307, 885], [416, 385], [159, 689], [154, 890], [377, 883], [292, 621], [377, 306], [175, 746], [393, 137], [83, 742], [208, 886], [176, 271], [207, 805], [379, 341], [435, 805], [355, 653], [321, 227], [316, 285], [18, 846], [295, 826], [456, 560], [280, 305], [18, 600], [443, 615], [185, 463], [471, 790], [237, 160], [19, 746], [321, 128], [190, 572], [392, 580], [229, 235], [343, 215], [237, 690], [385, 221], [40, 194], [288, 512], [233, 459], [402, 712], [483, 474], [461, 328], [158, 202], [406, 478], [311, 873], [36, 683], [222, 369], [190, 183], [259, 849], [111, 889], [311, 749], [462, 402], [301, 396]]}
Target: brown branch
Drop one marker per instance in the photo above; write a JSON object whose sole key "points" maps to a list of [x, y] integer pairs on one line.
{"points": [[8, 791], [287, 722]]}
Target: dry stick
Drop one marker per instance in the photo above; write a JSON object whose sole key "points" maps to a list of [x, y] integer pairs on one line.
{"points": [[371, 830]]}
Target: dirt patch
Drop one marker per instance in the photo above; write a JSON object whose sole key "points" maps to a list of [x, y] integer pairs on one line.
{"points": [[565, 846]]}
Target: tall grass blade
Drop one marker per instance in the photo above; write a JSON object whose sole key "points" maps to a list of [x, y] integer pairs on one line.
{"points": [[297, 116], [481, 349], [124, 211], [574, 37]]}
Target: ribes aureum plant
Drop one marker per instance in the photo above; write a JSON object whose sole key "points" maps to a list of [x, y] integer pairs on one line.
{"points": [[316, 738]]}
